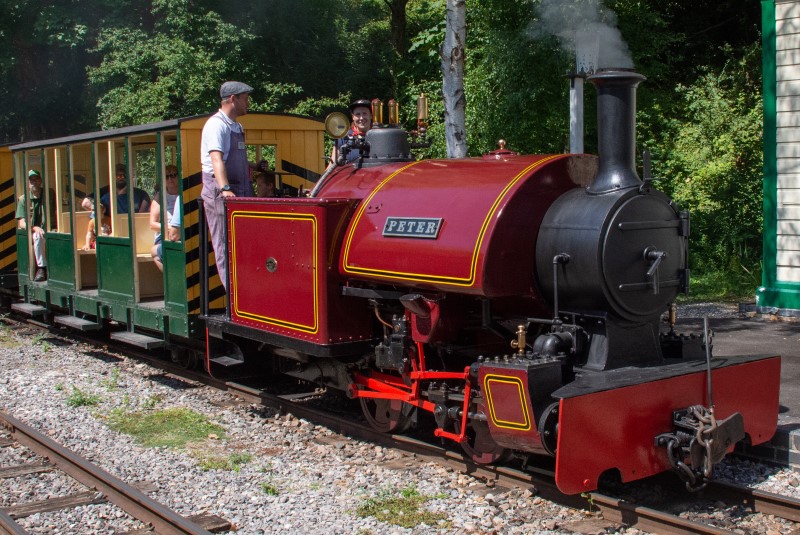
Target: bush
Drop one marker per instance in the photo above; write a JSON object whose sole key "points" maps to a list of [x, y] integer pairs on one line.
{"points": [[712, 157]]}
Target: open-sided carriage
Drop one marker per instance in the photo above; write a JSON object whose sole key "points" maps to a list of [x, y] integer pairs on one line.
{"points": [[115, 278]]}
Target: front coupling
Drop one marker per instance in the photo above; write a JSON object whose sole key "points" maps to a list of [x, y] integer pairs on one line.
{"points": [[698, 442]]}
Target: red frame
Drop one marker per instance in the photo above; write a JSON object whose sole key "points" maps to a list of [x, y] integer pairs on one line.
{"points": [[383, 386]]}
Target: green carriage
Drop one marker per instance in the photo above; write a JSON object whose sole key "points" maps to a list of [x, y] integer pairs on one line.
{"points": [[115, 278]]}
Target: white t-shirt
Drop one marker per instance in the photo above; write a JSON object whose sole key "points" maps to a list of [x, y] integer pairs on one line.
{"points": [[216, 136], [170, 204], [175, 219]]}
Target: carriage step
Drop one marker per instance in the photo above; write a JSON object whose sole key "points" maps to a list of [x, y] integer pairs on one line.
{"points": [[227, 361], [138, 340], [79, 324], [29, 309]]}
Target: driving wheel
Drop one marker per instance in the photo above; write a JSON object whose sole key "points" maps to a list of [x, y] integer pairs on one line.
{"points": [[480, 446], [388, 415]]}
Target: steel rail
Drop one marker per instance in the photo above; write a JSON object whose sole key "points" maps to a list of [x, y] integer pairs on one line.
{"points": [[131, 500], [759, 501], [8, 526], [541, 481], [648, 519], [614, 510]]}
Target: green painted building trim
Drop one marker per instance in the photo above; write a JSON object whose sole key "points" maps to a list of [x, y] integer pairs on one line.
{"points": [[770, 183], [772, 293]]}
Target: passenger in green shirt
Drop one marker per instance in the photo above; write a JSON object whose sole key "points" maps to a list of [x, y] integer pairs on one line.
{"points": [[38, 220]]}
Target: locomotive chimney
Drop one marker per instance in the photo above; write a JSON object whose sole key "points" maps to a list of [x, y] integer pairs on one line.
{"points": [[616, 129]]}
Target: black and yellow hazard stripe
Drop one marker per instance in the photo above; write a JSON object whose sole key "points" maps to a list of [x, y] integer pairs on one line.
{"points": [[8, 225], [192, 186]]}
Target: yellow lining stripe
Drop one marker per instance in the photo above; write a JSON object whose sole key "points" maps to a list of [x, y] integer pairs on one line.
{"points": [[314, 327], [515, 381], [425, 277]]}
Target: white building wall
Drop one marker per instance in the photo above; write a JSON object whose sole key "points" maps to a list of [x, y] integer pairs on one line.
{"points": [[787, 30]]}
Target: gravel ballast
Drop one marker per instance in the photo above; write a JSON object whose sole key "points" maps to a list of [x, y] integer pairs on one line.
{"points": [[300, 477]]}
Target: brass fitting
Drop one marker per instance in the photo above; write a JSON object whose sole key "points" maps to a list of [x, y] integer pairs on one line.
{"points": [[519, 343]]}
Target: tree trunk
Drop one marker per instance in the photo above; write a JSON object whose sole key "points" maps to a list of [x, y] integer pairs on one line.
{"points": [[398, 11], [452, 55], [399, 40]]}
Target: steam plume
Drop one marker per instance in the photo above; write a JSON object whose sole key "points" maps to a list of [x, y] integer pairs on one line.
{"points": [[587, 28]]}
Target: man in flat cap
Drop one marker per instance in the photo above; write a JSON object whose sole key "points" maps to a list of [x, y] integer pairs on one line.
{"points": [[226, 171]]}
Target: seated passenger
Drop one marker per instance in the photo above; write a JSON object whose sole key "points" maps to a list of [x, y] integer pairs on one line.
{"points": [[88, 202], [91, 237], [141, 200], [171, 183], [264, 182], [173, 234], [38, 220]]}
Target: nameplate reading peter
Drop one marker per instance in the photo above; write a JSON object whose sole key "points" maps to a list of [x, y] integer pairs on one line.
{"points": [[412, 227]]}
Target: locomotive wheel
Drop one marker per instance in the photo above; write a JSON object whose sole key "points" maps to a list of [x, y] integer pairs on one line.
{"points": [[388, 415], [480, 446], [186, 358]]}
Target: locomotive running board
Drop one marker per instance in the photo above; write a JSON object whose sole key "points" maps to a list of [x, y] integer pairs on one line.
{"points": [[227, 361], [610, 420]]}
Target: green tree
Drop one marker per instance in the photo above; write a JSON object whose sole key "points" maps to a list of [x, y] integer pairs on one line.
{"points": [[711, 151], [45, 47], [172, 69]]}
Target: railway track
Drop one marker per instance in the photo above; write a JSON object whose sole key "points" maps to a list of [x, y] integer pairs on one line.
{"points": [[657, 520], [101, 487], [609, 511]]}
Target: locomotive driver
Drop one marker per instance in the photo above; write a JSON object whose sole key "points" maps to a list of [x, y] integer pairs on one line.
{"points": [[361, 115], [226, 171]]}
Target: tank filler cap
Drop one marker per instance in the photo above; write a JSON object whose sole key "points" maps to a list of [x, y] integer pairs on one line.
{"points": [[501, 153]]}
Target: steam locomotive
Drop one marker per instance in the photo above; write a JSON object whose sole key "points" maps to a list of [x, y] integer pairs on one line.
{"points": [[515, 299]]}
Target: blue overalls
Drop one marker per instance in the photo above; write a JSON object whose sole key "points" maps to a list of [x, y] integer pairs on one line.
{"points": [[238, 171]]}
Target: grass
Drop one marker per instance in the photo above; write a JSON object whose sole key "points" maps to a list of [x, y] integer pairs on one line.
{"points": [[41, 339], [152, 401], [8, 340], [403, 508], [172, 428], [269, 488], [233, 462], [79, 398], [112, 382], [735, 284]]}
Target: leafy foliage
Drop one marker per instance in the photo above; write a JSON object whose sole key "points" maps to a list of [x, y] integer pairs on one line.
{"points": [[711, 153], [76, 65], [171, 70]]}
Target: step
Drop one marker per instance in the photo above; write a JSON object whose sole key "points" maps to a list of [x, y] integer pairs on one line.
{"points": [[79, 324], [29, 309], [226, 361], [138, 340]]}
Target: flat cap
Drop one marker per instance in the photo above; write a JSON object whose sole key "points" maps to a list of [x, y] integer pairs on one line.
{"points": [[34, 172], [234, 88]]}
